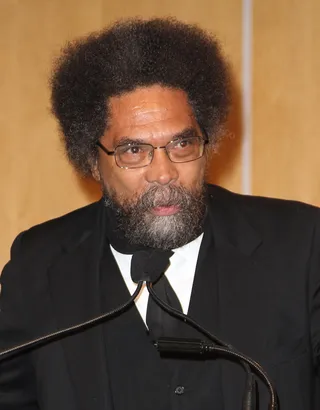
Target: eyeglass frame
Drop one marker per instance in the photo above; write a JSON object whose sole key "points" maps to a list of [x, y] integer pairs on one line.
{"points": [[205, 141]]}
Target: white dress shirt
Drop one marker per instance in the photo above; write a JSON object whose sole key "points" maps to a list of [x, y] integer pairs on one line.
{"points": [[180, 274]]}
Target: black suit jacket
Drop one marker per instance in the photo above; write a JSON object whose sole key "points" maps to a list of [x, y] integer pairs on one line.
{"points": [[268, 284]]}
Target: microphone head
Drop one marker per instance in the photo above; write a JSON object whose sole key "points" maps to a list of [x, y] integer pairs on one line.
{"points": [[149, 265]]}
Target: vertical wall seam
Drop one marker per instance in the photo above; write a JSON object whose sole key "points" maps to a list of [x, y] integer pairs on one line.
{"points": [[246, 95]]}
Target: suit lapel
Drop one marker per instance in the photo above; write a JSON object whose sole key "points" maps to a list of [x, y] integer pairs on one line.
{"points": [[74, 286]]}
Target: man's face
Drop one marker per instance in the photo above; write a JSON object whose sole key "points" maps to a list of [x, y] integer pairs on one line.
{"points": [[160, 205]]}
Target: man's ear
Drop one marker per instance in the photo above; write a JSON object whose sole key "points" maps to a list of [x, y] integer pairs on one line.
{"points": [[95, 170]]}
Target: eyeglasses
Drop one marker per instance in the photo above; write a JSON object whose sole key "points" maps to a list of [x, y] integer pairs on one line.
{"points": [[138, 155]]}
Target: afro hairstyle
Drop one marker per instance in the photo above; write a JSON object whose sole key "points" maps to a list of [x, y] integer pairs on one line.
{"points": [[130, 54]]}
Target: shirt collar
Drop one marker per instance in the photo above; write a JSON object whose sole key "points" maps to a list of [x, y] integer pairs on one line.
{"points": [[190, 249]]}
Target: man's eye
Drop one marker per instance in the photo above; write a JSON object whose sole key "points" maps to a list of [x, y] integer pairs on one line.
{"points": [[133, 149], [184, 143]]}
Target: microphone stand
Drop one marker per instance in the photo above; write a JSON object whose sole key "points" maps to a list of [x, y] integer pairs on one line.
{"points": [[185, 346]]}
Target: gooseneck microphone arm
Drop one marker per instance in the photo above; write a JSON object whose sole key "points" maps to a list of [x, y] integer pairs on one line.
{"points": [[59, 334], [172, 345]]}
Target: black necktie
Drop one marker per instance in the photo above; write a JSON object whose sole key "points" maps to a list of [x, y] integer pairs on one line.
{"points": [[151, 265]]}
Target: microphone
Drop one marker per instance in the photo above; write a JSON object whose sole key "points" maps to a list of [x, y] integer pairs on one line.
{"points": [[149, 265]]}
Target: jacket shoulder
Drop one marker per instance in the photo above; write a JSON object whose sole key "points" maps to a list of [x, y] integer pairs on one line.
{"points": [[55, 231], [270, 216], [263, 204]]}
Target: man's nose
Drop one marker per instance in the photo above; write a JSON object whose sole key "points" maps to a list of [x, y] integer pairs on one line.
{"points": [[161, 170]]}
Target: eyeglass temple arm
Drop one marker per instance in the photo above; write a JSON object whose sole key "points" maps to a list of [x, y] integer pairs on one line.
{"points": [[105, 149]]}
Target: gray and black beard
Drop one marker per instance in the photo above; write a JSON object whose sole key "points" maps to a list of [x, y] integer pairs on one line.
{"points": [[141, 227]]}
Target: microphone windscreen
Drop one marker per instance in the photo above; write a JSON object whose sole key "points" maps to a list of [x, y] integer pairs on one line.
{"points": [[149, 265]]}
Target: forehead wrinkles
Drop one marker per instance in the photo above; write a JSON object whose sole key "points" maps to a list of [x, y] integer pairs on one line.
{"points": [[141, 116], [145, 114], [147, 105]]}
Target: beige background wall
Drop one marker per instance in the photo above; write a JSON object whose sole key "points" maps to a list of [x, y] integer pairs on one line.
{"points": [[281, 149]]}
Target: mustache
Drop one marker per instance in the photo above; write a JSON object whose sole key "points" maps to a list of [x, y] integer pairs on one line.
{"points": [[164, 196], [155, 196]]}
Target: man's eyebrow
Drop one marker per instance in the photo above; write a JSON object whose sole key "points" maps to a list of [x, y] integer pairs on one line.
{"points": [[186, 133], [128, 140]]}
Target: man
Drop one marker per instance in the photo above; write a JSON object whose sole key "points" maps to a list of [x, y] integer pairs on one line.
{"points": [[140, 106]]}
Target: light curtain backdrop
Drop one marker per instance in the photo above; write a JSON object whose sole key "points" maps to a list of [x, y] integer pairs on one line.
{"points": [[273, 142]]}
